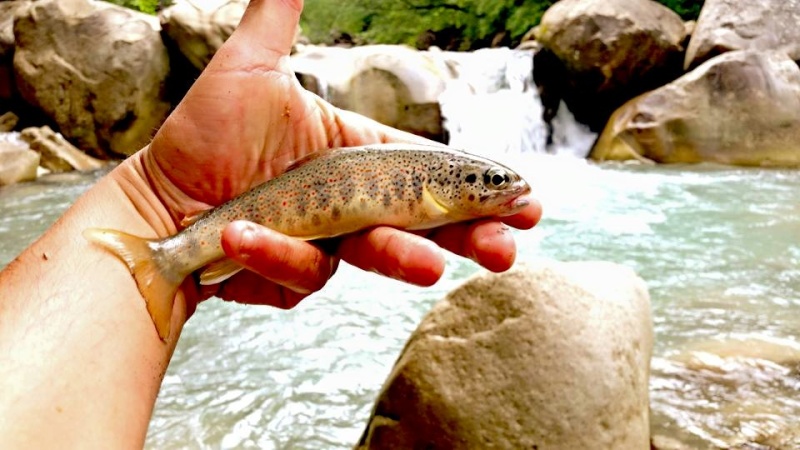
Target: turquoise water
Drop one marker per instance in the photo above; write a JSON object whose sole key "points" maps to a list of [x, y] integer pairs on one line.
{"points": [[717, 246]]}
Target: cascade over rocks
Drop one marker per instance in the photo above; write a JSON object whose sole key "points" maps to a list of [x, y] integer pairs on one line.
{"points": [[96, 69], [611, 51], [740, 108], [550, 356], [727, 25]]}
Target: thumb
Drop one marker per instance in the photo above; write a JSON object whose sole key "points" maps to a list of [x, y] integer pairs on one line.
{"points": [[269, 25]]}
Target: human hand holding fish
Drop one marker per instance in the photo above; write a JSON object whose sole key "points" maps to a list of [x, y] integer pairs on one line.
{"points": [[78, 356], [243, 122]]}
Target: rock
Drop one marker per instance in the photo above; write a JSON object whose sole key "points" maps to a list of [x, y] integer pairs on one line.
{"points": [[199, 28], [8, 121], [611, 50], [549, 356], [7, 11], [739, 108], [17, 164], [393, 84], [727, 25], [58, 155], [97, 69]]}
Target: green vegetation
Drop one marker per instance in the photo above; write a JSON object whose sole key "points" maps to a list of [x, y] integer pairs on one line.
{"points": [[450, 24], [145, 6]]}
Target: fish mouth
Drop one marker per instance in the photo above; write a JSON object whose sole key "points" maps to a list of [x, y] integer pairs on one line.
{"points": [[521, 199]]}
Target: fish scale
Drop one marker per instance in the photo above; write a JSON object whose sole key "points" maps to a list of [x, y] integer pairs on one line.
{"points": [[327, 194]]}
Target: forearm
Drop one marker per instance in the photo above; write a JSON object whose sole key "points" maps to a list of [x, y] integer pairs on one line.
{"points": [[80, 362]]}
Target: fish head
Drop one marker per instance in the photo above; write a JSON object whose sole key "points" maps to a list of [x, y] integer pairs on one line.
{"points": [[472, 187]]}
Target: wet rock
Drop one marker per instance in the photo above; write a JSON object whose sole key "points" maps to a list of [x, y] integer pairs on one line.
{"points": [[8, 121], [547, 356], [7, 11], [727, 25], [199, 28], [395, 85], [611, 51], [739, 108], [96, 69], [58, 155], [17, 163]]}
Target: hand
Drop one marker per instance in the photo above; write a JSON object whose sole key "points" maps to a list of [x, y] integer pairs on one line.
{"points": [[244, 120]]}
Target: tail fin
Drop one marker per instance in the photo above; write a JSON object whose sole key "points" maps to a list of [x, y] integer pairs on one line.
{"points": [[157, 284]]}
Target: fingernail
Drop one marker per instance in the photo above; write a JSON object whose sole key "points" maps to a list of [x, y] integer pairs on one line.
{"points": [[247, 237]]}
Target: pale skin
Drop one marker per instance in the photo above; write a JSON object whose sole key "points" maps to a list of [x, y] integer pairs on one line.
{"points": [[80, 361]]}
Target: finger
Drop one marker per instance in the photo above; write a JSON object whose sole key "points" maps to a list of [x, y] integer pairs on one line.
{"points": [[489, 243], [295, 264], [270, 25], [527, 218], [396, 254], [250, 288]]}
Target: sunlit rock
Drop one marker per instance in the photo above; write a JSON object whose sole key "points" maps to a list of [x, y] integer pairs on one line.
{"points": [[200, 27], [395, 85], [611, 51], [96, 69], [740, 108], [726, 25], [58, 155], [547, 356], [17, 163]]}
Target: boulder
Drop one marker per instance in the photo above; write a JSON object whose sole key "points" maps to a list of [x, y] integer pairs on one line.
{"points": [[17, 163], [58, 155], [740, 108], [393, 84], [611, 51], [199, 28], [7, 11], [96, 69], [727, 25], [548, 356]]}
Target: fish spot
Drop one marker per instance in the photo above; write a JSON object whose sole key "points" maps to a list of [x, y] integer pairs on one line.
{"points": [[471, 178], [471, 197], [336, 213], [315, 220]]}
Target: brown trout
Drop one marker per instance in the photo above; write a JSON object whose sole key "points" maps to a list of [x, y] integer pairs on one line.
{"points": [[326, 194]]}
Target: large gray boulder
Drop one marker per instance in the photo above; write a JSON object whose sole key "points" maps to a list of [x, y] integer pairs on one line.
{"points": [[199, 28], [611, 51], [96, 69], [395, 85], [549, 356], [727, 25], [740, 108]]}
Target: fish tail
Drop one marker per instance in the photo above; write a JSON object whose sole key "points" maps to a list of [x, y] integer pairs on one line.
{"points": [[157, 284]]}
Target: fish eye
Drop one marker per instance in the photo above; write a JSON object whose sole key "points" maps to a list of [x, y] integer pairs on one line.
{"points": [[496, 178]]}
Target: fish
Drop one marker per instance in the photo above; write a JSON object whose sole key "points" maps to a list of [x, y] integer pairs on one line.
{"points": [[327, 194]]}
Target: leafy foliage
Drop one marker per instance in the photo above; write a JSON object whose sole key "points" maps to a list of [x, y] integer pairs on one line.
{"points": [[687, 9], [451, 24], [145, 6]]}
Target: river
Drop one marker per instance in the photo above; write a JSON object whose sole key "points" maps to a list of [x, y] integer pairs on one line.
{"points": [[718, 247]]}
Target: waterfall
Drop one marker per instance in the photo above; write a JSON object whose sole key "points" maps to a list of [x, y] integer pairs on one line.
{"points": [[489, 103], [492, 106]]}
